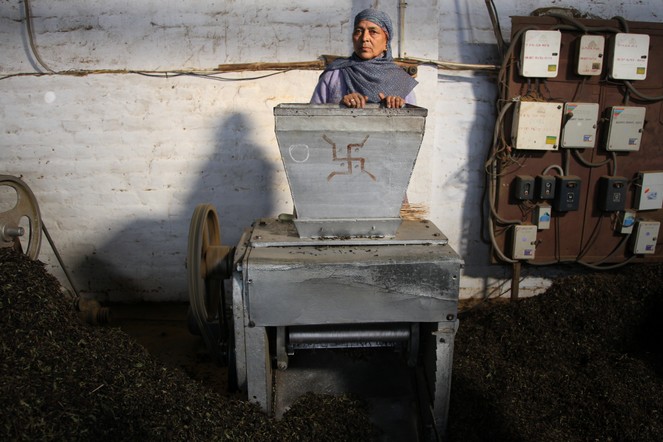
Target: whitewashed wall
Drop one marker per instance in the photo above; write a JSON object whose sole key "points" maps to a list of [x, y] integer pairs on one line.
{"points": [[119, 160]]}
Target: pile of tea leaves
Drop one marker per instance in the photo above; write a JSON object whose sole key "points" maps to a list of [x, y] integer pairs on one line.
{"points": [[581, 362], [63, 379]]}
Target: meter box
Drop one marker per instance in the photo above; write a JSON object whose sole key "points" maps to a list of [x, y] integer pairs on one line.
{"points": [[625, 127], [646, 236], [523, 243], [536, 125], [628, 56], [590, 55], [580, 123], [539, 56], [649, 195]]}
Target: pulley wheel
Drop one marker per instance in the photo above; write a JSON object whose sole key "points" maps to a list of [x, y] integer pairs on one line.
{"points": [[25, 213], [207, 267]]}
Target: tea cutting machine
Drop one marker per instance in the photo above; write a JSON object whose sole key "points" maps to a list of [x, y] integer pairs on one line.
{"points": [[345, 272]]}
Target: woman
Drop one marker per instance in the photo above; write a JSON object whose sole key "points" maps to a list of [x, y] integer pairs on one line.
{"points": [[370, 74]]}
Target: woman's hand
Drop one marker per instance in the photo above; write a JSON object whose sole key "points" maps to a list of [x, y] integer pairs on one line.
{"points": [[392, 100], [355, 100]]}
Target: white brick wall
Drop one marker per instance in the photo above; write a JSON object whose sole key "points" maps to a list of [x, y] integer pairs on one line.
{"points": [[119, 161]]}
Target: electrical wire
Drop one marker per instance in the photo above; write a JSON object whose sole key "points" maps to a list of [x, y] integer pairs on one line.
{"points": [[497, 29], [31, 37]]}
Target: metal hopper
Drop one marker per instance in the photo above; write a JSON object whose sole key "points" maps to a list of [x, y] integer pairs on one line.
{"points": [[348, 169]]}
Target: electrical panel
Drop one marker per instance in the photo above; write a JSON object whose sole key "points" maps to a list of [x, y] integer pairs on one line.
{"points": [[646, 236], [536, 125], [523, 242], [629, 54], [580, 123], [649, 195], [582, 116], [612, 193], [540, 54], [567, 194], [590, 55], [625, 128]]}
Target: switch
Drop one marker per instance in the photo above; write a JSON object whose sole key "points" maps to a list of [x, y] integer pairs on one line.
{"points": [[545, 187], [612, 193], [523, 187], [567, 193]]}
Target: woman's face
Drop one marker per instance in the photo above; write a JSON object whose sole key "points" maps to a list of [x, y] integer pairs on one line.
{"points": [[369, 40]]}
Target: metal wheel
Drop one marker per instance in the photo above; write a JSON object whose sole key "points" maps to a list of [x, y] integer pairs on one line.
{"points": [[208, 264], [25, 210]]}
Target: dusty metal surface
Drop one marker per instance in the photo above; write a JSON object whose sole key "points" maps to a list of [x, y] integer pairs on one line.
{"points": [[348, 169], [372, 290]]}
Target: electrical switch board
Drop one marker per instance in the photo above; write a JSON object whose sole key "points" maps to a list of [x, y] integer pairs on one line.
{"points": [[536, 125], [612, 193], [649, 195], [646, 235], [567, 193], [590, 55], [523, 187], [523, 241], [625, 128], [539, 57], [545, 187], [580, 123], [629, 54]]}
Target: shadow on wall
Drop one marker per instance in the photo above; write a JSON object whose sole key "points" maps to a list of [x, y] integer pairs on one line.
{"points": [[236, 179]]}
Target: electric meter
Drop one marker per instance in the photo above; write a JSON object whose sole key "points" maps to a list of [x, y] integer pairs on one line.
{"points": [[540, 54], [536, 125], [579, 126], [590, 55], [625, 128], [628, 56]]}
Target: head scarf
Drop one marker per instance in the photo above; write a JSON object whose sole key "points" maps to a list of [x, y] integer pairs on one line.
{"points": [[380, 74]]}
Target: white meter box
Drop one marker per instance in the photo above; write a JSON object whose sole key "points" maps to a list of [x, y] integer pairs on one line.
{"points": [[650, 192], [539, 56], [580, 123], [523, 243], [628, 56], [646, 236], [625, 128], [536, 125], [590, 55]]}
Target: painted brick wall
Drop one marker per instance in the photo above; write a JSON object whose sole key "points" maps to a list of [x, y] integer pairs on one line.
{"points": [[118, 161]]}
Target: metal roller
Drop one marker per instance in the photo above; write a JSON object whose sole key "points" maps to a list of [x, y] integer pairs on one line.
{"points": [[348, 334]]}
